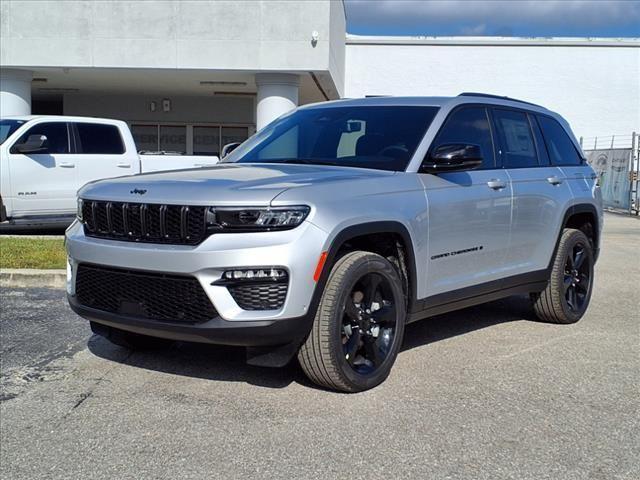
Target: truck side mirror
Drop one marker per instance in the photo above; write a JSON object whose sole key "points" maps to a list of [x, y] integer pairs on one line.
{"points": [[228, 148], [34, 144], [453, 157]]}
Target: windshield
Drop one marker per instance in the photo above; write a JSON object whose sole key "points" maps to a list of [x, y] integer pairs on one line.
{"points": [[7, 127], [380, 137]]}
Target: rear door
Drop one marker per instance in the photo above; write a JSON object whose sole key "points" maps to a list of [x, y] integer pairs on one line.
{"points": [[101, 153], [469, 212], [540, 190], [44, 183], [565, 155]]}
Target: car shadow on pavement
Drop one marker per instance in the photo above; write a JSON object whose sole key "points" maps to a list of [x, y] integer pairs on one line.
{"points": [[223, 363]]}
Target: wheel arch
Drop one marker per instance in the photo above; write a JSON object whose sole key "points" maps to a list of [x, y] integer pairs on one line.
{"points": [[578, 216], [364, 236]]}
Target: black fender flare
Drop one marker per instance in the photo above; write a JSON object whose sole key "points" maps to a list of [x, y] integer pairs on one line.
{"points": [[368, 228], [571, 211]]}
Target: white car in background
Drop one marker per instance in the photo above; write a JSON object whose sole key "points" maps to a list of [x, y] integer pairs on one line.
{"points": [[44, 160]]}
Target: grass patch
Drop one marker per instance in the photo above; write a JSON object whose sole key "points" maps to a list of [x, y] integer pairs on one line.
{"points": [[32, 253]]}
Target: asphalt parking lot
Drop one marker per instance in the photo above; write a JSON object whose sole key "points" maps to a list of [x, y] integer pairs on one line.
{"points": [[485, 393]]}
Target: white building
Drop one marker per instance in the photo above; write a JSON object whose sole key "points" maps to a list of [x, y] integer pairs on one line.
{"points": [[193, 75]]}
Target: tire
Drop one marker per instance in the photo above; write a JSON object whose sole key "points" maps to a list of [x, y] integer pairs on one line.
{"points": [[130, 340], [571, 272], [3, 211], [362, 359]]}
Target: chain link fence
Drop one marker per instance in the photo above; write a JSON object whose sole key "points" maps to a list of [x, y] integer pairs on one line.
{"points": [[615, 158]]}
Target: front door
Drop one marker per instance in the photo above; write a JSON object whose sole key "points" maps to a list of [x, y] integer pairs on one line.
{"points": [[44, 183], [469, 212]]}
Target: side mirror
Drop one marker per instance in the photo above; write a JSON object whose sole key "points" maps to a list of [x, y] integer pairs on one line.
{"points": [[228, 148], [453, 157], [34, 144]]}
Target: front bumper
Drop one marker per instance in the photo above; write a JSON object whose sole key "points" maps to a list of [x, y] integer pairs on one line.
{"points": [[217, 330], [295, 250]]}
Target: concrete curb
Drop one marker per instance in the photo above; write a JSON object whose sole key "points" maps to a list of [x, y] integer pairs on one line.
{"points": [[30, 278]]}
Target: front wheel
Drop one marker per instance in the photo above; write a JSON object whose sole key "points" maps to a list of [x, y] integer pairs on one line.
{"points": [[567, 295], [359, 325]]}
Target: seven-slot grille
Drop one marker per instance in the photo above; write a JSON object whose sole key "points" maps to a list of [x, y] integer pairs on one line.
{"points": [[152, 296], [142, 222]]}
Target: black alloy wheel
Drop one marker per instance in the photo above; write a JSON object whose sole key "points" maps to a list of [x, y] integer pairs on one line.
{"points": [[368, 323], [359, 324], [566, 296], [577, 278]]}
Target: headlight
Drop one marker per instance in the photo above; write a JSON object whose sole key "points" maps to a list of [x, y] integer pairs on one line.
{"points": [[79, 212], [239, 219]]}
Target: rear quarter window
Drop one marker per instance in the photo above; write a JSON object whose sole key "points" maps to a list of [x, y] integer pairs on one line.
{"points": [[561, 149], [94, 138]]}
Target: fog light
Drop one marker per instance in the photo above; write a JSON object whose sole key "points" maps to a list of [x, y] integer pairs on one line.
{"points": [[255, 274]]}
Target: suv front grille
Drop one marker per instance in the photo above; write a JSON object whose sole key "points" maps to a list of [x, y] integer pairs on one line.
{"points": [[142, 222], [152, 296], [259, 296]]}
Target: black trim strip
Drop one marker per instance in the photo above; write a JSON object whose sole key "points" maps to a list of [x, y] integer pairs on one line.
{"points": [[477, 294]]}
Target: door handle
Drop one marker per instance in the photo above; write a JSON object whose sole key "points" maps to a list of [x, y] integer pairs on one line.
{"points": [[67, 165], [124, 165], [496, 184], [554, 180]]}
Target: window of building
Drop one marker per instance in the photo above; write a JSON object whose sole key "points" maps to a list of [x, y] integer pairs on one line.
{"points": [[561, 149], [173, 138], [56, 133], [469, 125], [186, 139], [94, 138], [516, 140], [146, 137], [206, 141]]}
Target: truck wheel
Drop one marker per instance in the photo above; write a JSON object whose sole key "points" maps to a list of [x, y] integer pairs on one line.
{"points": [[3, 211], [130, 340], [359, 325], [567, 295]]}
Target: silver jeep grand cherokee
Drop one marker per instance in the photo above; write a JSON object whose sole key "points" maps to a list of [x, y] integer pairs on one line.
{"points": [[328, 231]]}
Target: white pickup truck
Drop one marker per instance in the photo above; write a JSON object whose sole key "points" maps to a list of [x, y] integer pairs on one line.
{"points": [[44, 160]]}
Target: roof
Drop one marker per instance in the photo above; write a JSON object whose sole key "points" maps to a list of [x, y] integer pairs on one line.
{"points": [[430, 101], [61, 118]]}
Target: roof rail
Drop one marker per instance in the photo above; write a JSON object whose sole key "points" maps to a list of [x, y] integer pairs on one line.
{"points": [[488, 95]]}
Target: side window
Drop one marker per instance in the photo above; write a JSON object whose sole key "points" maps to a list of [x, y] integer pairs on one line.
{"points": [[541, 148], [560, 147], [469, 125], [516, 140], [95, 138], [56, 133]]}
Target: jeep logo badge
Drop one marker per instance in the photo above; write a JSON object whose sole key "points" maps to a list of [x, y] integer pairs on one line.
{"points": [[139, 191]]}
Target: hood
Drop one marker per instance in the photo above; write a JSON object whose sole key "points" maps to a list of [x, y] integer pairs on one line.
{"points": [[228, 184]]}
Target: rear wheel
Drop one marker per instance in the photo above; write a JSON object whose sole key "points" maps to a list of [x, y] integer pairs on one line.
{"points": [[359, 325], [130, 340], [567, 295]]}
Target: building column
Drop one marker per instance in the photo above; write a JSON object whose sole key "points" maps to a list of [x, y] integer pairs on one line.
{"points": [[277, 95], [15, 92]]}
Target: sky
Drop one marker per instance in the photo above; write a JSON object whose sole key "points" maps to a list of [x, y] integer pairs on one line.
{"points": [[526, 18]]}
